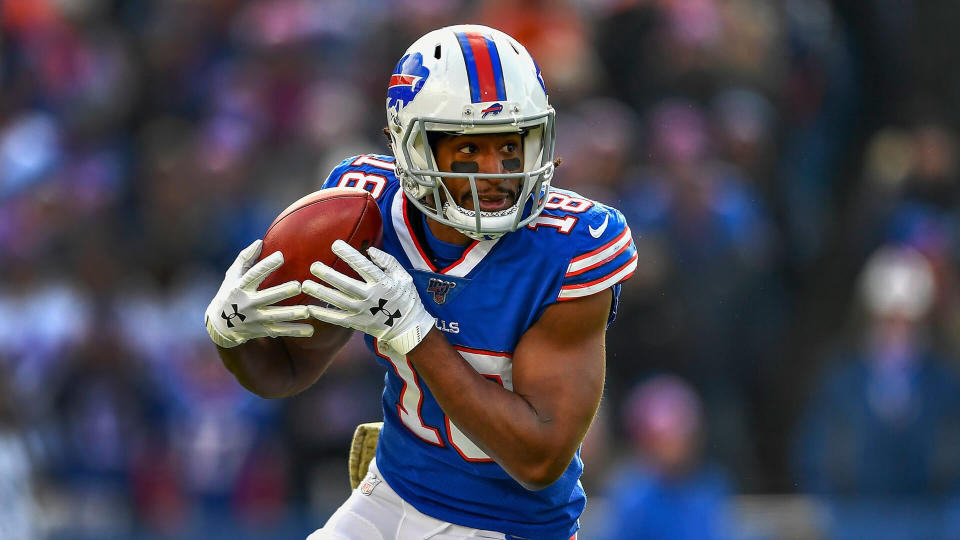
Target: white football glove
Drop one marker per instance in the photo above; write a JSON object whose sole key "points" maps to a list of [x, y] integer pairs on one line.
{"points": [[239, 312], [385, 305]]}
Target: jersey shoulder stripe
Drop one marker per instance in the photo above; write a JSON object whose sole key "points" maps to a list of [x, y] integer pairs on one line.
{"points": [[601, 255], [604, 253], [577, 290]]}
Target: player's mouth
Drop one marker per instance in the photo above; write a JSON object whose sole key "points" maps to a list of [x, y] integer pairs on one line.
{"points": [[491, 201], [495, 203]]}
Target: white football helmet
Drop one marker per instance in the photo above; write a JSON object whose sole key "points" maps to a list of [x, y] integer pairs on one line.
{"points": [[470, 79]]}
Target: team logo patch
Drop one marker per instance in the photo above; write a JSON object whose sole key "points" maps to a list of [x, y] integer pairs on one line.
{"points": [[439, 289], [407, 81], [493, 109]]}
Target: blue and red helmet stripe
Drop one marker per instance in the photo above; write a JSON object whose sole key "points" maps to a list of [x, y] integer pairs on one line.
{"points": [[483, 67]]}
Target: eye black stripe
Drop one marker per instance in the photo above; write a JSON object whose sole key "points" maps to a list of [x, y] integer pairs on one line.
{"points": [[465, 167]]}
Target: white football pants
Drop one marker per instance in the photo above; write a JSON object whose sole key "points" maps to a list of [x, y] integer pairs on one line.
{"points": [[375, 512]]}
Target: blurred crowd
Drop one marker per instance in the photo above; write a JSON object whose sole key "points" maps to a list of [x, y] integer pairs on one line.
{"points": [[789, 170]]}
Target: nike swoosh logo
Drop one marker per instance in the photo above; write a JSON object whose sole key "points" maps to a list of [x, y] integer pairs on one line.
{"points": [[596, 233]]}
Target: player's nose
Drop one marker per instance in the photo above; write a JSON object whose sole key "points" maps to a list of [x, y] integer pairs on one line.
{"points": [[490, 162]]}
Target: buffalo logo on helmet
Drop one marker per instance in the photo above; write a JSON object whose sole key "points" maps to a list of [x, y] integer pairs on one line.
{"points": [[407, 81], [493, 109], [543, 85]]}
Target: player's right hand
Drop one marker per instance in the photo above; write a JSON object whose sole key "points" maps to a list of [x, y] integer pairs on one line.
{"points": [[239, 312]]}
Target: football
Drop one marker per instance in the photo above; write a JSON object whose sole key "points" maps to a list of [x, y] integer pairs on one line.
{"points": [[306, 229]]}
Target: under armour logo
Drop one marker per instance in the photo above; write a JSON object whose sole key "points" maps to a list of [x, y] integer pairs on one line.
{"points": [[381, 309], [229, 318]]}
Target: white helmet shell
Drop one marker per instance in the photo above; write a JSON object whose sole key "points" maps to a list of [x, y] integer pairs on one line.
{"points": [[470, 79]]}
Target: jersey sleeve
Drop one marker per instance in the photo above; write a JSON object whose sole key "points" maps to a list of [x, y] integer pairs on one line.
{"points": [[333, 179], [604, 254], [372, 172]]}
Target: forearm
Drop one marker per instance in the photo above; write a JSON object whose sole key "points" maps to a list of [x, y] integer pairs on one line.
{"points": [[526, 442], [261, 365], [532, 431], [282, 367]]}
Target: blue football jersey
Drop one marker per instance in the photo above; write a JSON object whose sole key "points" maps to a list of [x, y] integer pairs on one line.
{"points": [[484, 302]]}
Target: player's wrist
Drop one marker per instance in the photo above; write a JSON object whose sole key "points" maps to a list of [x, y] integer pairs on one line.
{"points": [[219, 338], [406, 341]]}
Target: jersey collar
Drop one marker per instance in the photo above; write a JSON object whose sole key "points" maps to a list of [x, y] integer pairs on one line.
{"points": [[472, 256]]}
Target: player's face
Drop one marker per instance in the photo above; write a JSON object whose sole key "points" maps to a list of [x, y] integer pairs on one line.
{"points": [[492, 153]]}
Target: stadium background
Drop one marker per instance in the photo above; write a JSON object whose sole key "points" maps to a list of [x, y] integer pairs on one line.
{"points": [[761, 150]]}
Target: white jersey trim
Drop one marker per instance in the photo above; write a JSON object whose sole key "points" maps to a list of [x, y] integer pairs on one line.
{"points": [[471, 258], [579, 290], [410, 248], [604, 253]]}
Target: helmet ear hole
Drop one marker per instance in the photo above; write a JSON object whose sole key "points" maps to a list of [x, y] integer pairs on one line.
{"points": [[432, 138]]}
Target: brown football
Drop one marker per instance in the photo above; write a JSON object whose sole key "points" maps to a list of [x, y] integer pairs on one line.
{"points": [[306, 229]]}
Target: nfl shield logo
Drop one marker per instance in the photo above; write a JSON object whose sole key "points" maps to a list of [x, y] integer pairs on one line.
{"points": [[369, 482]]}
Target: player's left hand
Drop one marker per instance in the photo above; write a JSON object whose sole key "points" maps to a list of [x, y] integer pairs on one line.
{"points": [[385, 304]]}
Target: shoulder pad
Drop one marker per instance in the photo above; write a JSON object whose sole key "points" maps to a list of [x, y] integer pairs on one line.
{"points": [[603, 254], [372, 172]]}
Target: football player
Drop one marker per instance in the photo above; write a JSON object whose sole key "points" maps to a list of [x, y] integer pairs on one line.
{"points": [[487, 305]]}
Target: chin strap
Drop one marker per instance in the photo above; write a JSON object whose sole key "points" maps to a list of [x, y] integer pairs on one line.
{"points": [[458, 216]]}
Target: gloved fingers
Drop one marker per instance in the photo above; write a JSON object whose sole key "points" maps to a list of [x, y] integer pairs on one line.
{"points": [[340, 281], [259, 272], [245, 259], [328, 295], [367, 270], [287, 329], [384, 260], [272, 295], [330, 315], [283, 314]]}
